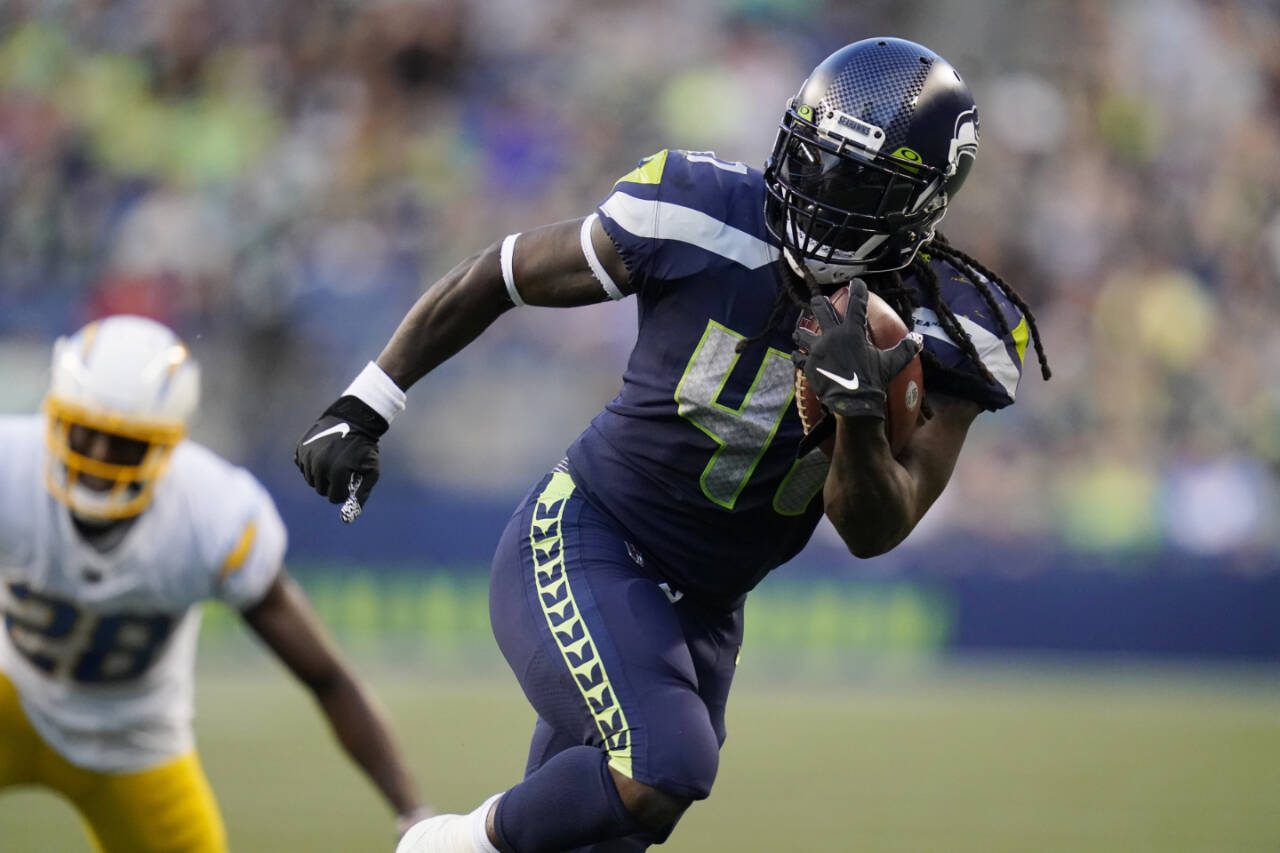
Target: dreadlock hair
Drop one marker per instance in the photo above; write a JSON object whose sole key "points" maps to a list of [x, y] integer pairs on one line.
{"points": [[796, 290]]}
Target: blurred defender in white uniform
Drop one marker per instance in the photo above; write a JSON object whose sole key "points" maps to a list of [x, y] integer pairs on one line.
{"points": [[112, 528]]}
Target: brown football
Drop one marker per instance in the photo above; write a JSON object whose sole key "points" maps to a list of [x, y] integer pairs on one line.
{"points": [[905, 393]]}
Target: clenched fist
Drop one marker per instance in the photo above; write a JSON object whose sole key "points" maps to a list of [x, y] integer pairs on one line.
{"points": [[338, 455]]}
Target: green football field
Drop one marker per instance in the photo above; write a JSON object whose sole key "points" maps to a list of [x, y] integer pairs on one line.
{"points": [[929, 759]]}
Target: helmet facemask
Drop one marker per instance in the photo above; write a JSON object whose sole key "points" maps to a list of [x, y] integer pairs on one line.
{"points": [[104, 485], [840, 206]]}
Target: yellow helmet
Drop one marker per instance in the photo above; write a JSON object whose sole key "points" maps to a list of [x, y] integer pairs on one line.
{"points": [[129, 378]]}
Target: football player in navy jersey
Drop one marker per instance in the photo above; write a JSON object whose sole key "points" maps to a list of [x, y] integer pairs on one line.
{"points": [[618, 586]]}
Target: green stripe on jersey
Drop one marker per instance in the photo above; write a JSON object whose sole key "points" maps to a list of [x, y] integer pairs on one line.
{"points": [[648, 172], [1020, 336]]}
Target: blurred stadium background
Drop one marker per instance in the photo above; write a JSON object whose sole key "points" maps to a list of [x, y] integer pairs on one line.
{"points": [[1077, 650]]}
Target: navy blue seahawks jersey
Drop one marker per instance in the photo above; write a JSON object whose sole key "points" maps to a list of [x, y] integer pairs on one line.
{"points": [[696, 457]]}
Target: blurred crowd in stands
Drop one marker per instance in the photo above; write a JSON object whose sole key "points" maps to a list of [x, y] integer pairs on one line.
{"points": [[278, 179]]}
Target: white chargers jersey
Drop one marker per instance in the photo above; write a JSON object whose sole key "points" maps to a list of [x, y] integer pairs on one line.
{"points": [[101, 646]]}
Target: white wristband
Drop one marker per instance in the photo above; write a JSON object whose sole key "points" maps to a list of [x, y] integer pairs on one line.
{"points": [[378, 391]]}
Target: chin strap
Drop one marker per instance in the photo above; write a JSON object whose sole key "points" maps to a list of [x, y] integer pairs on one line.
{"points": [[820, 272]]}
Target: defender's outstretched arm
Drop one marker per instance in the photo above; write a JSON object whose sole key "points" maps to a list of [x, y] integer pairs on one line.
{"points": [[284, 620]]}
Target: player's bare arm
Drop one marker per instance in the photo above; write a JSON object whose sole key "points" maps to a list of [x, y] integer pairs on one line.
{"points": [[874, 500], [548, 268], [338, 455], [289, 627]]}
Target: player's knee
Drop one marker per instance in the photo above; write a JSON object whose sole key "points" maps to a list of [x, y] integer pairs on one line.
{"points": [[685, 776], [688, 766], [655, 810]]}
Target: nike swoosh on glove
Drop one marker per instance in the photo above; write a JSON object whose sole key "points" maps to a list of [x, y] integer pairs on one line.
{"points": [[844, 368], [338, 455]]}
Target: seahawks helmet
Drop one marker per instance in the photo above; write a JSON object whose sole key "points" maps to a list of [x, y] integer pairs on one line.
{"points": [[867, 157], [133, 380]]}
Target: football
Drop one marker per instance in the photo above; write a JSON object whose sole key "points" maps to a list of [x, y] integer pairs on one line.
{"points": [[905, 393]]}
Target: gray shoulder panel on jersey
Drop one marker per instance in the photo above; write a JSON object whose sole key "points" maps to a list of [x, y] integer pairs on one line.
{"points": [[991, 349], [666, 221]]}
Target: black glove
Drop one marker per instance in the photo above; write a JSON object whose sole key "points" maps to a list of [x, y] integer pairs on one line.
{"points": [[338, 455], [844, 368]]}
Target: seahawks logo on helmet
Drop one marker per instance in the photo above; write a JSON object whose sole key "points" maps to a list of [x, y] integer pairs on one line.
{"points": [[964, 140]]}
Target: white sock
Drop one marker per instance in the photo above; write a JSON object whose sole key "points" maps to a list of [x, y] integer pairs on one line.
{"points": [[451, 833], [444, 833], [477, 821]]}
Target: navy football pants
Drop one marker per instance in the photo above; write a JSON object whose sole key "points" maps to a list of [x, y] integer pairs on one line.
{"points": [[602, 653]]}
